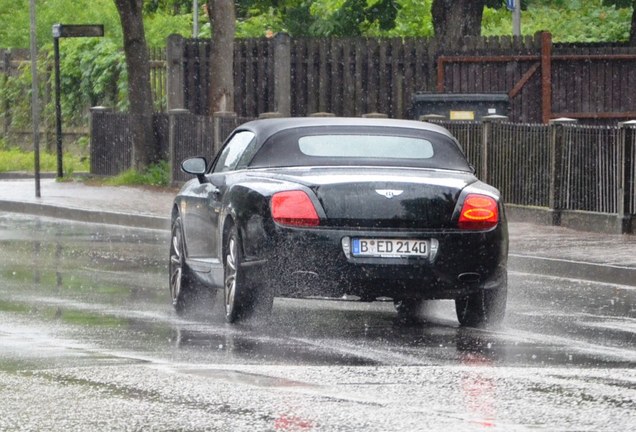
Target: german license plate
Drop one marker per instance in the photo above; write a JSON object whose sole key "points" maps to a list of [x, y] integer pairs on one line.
{"points": [[389, 248]]}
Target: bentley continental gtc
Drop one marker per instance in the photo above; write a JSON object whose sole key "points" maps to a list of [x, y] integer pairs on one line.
{"points": [[333, 207]]}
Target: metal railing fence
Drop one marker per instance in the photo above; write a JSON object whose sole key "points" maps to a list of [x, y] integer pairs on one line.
{"points": [[590, 168], [519, 162], [561, 168]]}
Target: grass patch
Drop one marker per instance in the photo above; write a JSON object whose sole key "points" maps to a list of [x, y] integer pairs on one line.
{"points": [[91, 319], [6, 306], [156, 175], [17, 160]]}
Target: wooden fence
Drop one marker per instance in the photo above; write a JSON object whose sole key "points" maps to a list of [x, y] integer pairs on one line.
{"points": [[111, 141], [353, 76]]}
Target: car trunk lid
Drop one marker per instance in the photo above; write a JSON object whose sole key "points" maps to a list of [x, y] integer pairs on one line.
{"points": [[384, 198]]}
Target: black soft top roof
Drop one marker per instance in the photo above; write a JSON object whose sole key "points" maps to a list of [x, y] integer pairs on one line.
{"points": [[267, 127]]}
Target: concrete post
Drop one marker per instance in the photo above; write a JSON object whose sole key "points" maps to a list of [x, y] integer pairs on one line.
{"points": [[555, 202], [375, 115], [322, 114], [270, 115], [627, 172], [431, 117], [6, 108], [175, 78], [282, 74]]}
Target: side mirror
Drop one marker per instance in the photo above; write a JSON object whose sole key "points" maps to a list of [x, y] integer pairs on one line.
{"points": [[196, 166]]}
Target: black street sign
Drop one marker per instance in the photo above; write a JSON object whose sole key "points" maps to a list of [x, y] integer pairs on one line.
{"points": [[78, 30]]}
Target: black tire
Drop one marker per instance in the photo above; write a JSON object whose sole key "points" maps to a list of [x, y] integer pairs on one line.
{"points": [[238, 299], [183, 290], [484, 308], [408, 308]]}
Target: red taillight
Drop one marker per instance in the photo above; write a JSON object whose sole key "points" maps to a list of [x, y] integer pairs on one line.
{"points": [[294, 208], [479, 212]]}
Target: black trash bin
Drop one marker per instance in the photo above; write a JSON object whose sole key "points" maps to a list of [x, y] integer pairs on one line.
{"points": [[459, 106]]}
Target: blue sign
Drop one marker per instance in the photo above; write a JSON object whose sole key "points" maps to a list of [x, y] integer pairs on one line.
{"points": [[510, 4]]}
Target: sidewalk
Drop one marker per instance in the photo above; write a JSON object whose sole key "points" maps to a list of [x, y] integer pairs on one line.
{"points": [[533, 248], [129, 206]]}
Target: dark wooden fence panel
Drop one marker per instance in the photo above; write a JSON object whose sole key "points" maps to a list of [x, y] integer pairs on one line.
{"points": [[192, 135], [254, 76], [355, 76], [629, 158], [161, 133], [594, 80], [197, 70], [111, 143]]}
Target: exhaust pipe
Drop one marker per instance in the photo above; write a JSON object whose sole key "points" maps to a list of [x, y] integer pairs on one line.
{"points": [[469, 277]]}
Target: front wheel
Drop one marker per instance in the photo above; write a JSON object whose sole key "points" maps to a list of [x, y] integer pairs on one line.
{"points": [[484, 308]]}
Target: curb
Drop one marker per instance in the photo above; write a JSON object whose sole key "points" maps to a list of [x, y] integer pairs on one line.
{"points": [[604, 273], [91, 216], [16, 175]]}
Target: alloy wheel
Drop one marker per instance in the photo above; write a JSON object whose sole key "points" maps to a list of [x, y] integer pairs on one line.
{"points": [[231, 272], [176, 263]]}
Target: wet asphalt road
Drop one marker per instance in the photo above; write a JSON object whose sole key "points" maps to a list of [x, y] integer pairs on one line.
{"points": [[88, 341]]}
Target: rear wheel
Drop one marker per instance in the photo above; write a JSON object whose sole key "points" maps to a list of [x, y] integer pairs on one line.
{"points": [[182, 287], [484, 308], [241, 300]]}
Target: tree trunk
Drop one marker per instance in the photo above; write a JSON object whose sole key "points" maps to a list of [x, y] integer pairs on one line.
{"points": [[454, 19], [222, 19], [632, 33], [139, 93]]}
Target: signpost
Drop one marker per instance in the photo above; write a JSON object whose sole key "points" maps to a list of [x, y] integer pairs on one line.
{"points": [[35, 100], [195, 19], [515, 7], [60, 31]]}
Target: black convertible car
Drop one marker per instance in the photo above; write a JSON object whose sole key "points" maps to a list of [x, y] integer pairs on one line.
{"points": [[327, 207]]}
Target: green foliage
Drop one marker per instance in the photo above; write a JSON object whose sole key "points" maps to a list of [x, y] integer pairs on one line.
{"points": [[156, 175], [567, 20], [171, 7], [18, 160], [14, 15], [90, 72], [317, 18], [159, 26], [353, 17], [579, 22], [413, 20]]}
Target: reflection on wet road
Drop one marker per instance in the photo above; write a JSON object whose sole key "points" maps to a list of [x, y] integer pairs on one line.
{"points": [[85, 315]]}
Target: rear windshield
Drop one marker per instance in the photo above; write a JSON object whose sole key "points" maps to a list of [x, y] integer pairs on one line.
{"points": [[368, 146], [365, 146]]}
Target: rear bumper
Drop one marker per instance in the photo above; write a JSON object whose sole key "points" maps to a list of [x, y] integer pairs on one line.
{"points": [[312, 262]]}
